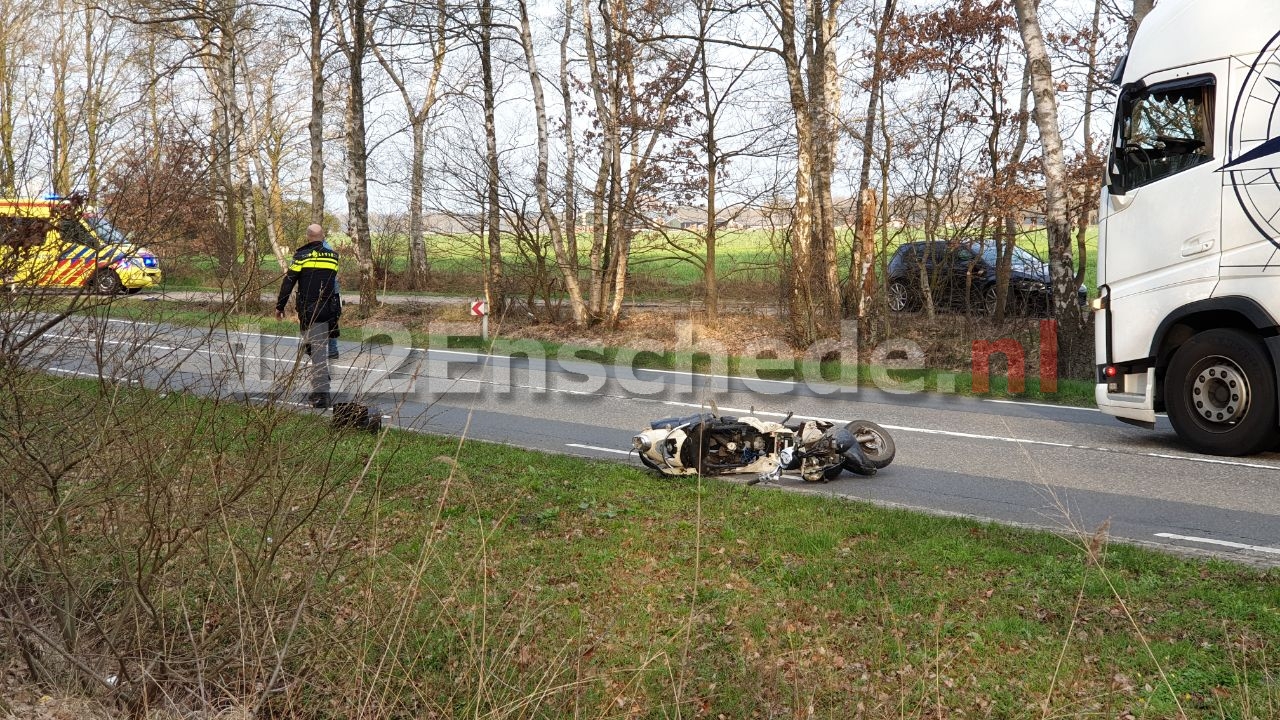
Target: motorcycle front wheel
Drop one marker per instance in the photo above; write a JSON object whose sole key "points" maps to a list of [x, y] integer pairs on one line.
{"points": [[874, 441]]}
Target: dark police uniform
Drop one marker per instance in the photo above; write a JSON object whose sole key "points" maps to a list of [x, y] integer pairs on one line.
{"points": [[314, 272]]}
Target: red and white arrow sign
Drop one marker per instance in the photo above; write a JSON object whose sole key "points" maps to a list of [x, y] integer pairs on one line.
{"points": [[480, 308]]}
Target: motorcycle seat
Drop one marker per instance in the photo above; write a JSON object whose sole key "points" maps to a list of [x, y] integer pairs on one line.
{"points": [[675, 422]]}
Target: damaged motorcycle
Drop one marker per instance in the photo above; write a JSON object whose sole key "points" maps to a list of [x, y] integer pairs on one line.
{"points": [[714, 444]]}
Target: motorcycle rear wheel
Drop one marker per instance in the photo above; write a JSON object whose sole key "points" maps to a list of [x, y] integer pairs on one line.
{"points": [[875, 442]]}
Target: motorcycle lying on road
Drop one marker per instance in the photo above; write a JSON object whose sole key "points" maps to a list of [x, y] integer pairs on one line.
{"points": [[713, 444]]}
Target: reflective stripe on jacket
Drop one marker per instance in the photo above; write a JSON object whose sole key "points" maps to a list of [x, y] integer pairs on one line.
{"points": [[314, 271]]}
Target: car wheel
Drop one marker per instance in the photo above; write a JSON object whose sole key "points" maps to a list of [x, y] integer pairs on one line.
{"points": [[106, 282], [1220, 393], [990, 299], [900, 299]]}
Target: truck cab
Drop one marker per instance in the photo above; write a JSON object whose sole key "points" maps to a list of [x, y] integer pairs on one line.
{"points": [[1189, 228]]}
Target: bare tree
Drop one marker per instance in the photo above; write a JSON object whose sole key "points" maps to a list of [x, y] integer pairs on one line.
{"points": [[15, 43], [351, 21], [1057, 219], [858, 291], [427, 33], [315, 124], [565, 259], [493, 283]]}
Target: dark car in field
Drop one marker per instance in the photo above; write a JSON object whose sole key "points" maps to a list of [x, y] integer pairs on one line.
{"points": [[963, 276]]}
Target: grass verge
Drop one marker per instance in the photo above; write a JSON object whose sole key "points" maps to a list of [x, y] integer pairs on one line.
{"points": [[411, 576]]}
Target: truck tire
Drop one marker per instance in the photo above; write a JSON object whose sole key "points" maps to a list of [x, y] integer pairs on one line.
{"points": [[1220, 392]]}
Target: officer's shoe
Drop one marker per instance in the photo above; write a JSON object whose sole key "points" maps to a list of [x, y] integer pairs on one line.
{"points": [[318, 400]]}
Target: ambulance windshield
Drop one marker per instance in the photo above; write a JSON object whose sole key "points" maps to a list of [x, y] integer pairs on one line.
{"points": [[105, 230]]}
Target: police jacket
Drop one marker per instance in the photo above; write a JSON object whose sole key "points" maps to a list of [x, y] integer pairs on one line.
{"points": [[314, 271]]}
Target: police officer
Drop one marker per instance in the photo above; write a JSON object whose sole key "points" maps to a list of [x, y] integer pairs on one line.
{"points": [[314, 271]]}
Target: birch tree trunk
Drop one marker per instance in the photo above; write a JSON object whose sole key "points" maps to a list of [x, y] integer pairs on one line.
{"points": [[493, 290], [315, 125], [1082, 217], [14, 18], [857, 296], [353, 37], [97, 58], [570, 143], [60, 139], [1057, 220], [418, 267], [710, 278], [802, 311], [600, 206], [568, 263], [216, 35], [815, 290], [825, 90]]}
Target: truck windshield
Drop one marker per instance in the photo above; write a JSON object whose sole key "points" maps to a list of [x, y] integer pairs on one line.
{"points": [[105, 230], [1160, 132]]}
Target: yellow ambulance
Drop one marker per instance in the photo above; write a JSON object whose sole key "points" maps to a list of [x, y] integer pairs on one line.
{"points": [[62, 243]]}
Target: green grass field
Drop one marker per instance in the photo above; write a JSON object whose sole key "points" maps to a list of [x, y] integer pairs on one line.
{"points": [[746, 261], [448, 579]]}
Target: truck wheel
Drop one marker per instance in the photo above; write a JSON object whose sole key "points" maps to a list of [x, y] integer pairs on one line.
{"points": [[106, 282], [1220, 392]]}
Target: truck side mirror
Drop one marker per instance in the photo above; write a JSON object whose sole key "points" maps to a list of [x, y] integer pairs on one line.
{"points": [[1115, 178]]}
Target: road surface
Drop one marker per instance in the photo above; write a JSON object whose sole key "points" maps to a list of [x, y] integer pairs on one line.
{"points": [[1057, 468]]}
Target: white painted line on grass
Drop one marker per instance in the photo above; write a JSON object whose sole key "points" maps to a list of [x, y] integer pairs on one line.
{"points": [[598, 449], [1223, 543]]}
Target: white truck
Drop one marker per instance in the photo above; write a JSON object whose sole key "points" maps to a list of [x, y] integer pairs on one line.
{"points": [[1188, 313]]}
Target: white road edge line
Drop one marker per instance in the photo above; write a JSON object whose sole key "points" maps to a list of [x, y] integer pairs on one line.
{"points": [[598, 449], [1047, 406], [1223, 543]]}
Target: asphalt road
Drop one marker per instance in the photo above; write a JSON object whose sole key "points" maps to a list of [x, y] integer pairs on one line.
{"points": [[1064, 469]]}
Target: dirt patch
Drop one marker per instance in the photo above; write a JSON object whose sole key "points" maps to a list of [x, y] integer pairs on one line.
{"points": [[945, 342]]}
